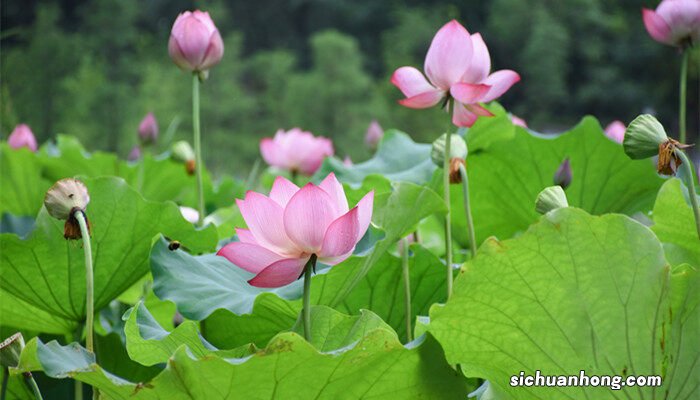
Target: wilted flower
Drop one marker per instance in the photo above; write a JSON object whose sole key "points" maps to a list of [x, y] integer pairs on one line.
{"points": [[374, 134], [287, 228], [195, 43], [564, 174], [189, 214], [148, 129], [296, 151], [457, 66], [675, 22], [518, 121], [134, 154], [22, 136], [616, 131], [63, 200]]}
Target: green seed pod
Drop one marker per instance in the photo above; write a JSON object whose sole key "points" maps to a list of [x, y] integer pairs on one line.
{"points": [[10, 349], [643, 137], [458, 149], [550, 199], [66, 196], [181, 151]]}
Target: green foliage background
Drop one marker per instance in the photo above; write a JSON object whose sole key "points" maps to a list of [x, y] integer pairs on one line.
{"points": [[93, 68]]}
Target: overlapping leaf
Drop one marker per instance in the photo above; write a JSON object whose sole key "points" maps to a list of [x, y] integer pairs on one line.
{"points": [[674, 224]]}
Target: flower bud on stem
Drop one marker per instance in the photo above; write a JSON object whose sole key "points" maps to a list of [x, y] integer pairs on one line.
{"points": [[197, 146], [306, 312]]}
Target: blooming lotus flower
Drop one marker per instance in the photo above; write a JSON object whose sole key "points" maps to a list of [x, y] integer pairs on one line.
{"points": [[22, 136], [296, 151], [189, 214], [457, 66], [675, 22], [616, 131], [290, 225], [195, 43], [148, 129], [374, 134], [518, 121]]}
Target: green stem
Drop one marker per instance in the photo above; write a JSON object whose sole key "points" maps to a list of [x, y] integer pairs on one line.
{"points": [[142, 170], [5, 379], [683, 91], [78, 390], [468, 210], [691, 187], [448, 218], [306, 312], [253, 175], [197, 147], [31, 384], [89, 289], [407, 289]]}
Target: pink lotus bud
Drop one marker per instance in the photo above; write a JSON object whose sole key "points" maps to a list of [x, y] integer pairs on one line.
{"points": [[296, 151], [148, 129], [189, 214], [134, 154], [292, 224], [564, 174], [458, 66], [195, 43], [616, 131], [374, 134], [347, 161], [22, 136], [675, 22], [518, 121]]}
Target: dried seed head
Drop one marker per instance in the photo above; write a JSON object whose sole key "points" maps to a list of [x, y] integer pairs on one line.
{"points": [[458, 149], [550, 199], [10, 349], [669, 161]]}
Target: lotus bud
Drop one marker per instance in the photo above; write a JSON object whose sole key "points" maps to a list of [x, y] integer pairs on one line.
{"points": [[458, 154], [10, 350], [134, 154], [564, 174], [645, 137], [148, 129], [347, 161], [22, 136], [62, 201], [195, 42], [550, 199], [181, 151], [189, 214], [374, 135]]}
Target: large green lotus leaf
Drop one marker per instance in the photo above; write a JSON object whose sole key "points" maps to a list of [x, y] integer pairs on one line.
{"points": [[489, 131], [332, 330], [505, 179], [575, 292], [674, 224], [149, 344], [382, 290], [113, 356], [48, 272], [20, 314], [377, 366], [23, 188]]}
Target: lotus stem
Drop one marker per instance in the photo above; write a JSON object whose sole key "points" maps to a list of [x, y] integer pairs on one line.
{"points": [[468, 210], [5, 379], [407, 288], [31, 384], [691, 187], [448, 222], [197, 147], [306, 312], [89, 290], [683, 93]]}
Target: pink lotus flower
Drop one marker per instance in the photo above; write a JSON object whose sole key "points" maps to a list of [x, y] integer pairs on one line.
{"points": [[457, 66], [616, 131], [285, 229], [675, 22], [195, 43], [296, 151], [374, 134], [22, 136], [518, 121], [148, 129]]}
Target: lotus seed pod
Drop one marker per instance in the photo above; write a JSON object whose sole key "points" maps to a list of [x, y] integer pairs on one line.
{"points": [[458, 149], [66, 196], [643, 137], [550, 199], [10, 349], [182, 151]]}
